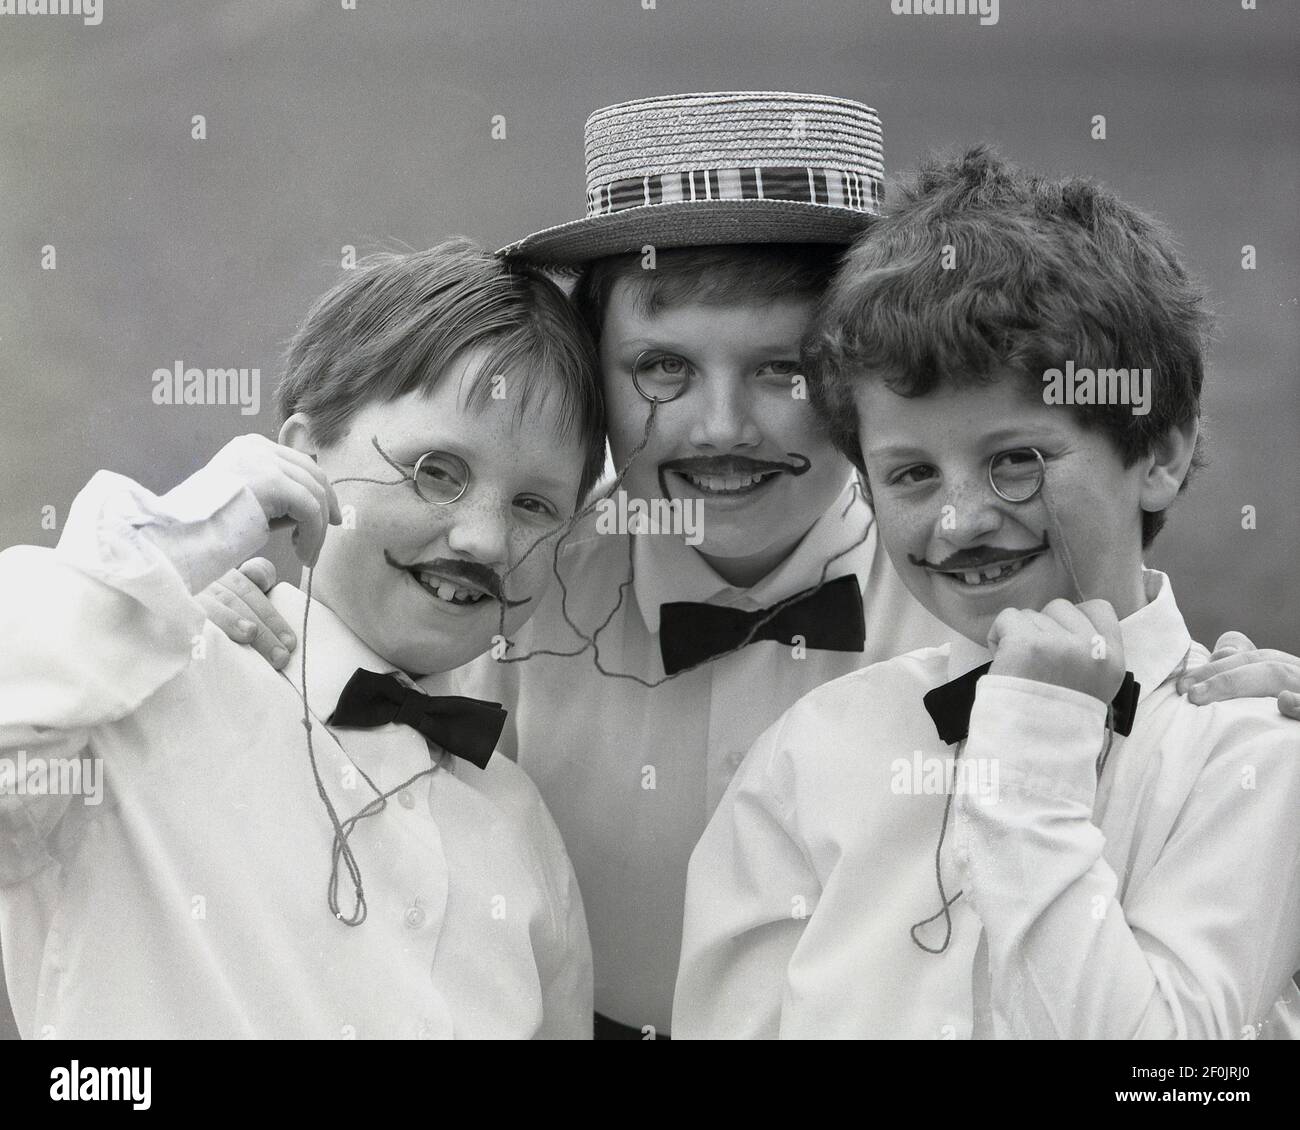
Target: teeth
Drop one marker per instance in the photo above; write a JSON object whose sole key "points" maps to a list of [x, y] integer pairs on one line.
{"points": [[719, 483], [989, 575], [449, 592]]}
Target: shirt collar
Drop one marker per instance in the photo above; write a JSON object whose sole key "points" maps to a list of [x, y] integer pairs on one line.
{"points": [[667, 569], [1156, 639], [334, 651]]}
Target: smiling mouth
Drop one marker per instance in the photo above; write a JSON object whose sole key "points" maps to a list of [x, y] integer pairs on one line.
{"points": [[734, 484], [989, 573], [450, 587], [726, 476]]}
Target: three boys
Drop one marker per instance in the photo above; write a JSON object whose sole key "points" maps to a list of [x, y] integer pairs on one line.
{"points": [[635, 694]]}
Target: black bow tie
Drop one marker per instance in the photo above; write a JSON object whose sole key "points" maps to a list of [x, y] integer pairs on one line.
{"points": [[950, 705], [829, 619], [465, 727]]}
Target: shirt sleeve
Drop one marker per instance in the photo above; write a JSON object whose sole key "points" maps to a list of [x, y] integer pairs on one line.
{"points": [[566, 969], [94, 626], [749, 892], [1203, 943]]}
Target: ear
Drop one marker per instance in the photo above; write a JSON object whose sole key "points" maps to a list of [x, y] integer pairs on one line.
{"points": [[1167, 466], [295, 432]]}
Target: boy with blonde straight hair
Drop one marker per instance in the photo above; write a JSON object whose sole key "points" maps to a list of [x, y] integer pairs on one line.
{"points": [[323, 852]]}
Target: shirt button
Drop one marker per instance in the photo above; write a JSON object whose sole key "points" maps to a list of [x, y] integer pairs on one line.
{"points": [[415, 916], [405, 799]]}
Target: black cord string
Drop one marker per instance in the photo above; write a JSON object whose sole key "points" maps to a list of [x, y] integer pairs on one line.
{"points": [[946, 902], [1102, 757]]}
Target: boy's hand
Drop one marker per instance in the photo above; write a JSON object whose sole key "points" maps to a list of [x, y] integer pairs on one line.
{"points": [[1071, 645], [289, 485], [1238, 669], [237, 604]]}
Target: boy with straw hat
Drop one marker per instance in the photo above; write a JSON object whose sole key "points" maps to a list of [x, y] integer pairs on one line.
{"points": [[714, 223]]}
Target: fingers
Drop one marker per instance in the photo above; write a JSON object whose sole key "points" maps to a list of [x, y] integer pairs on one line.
{"points": [[1254, 680], [1260, 679], [1073, 618], [261, 572], [241, 610], [309, 512], [1105, 624], [1231, 642], [1230, 662], [289, 485], [1007, 622], [308, 472], [251, 602], [309, 501], [236, 627], [1093, 619], [1288, 703]]}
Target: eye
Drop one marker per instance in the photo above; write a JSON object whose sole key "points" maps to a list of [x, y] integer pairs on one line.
{"points": [[912, 475], [1017, 456], [781, 370], [440, 477], [538, 507], [660, 376], [1017, 474]]}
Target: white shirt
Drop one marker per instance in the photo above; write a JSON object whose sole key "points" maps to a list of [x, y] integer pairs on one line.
{"points": [[632, 773], [191, 902], [1162, 902]]}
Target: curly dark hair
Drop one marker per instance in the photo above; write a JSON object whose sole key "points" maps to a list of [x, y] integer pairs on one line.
{"points": [[980, 270]]}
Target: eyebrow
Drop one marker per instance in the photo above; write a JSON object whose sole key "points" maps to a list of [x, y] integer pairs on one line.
{"points": [[894, 451], [633, 346], [1047, 431], [897, 451]]}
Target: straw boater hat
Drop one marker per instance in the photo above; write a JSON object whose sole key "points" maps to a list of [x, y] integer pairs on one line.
{"points": [[733, 167]]}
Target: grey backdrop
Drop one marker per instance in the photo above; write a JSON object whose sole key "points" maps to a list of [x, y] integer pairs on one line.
{"points": [[372, 127]]}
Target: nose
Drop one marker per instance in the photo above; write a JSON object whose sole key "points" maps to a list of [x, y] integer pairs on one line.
{"points": [[723, 418], [480, 531], [970, 511]]}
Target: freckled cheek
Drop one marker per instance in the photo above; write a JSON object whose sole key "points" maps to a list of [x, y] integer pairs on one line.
{"points": [[530, 554], [905, 530], [398, 529]]}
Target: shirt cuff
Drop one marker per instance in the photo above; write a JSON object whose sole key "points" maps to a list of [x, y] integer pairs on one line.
{"points": [[1045, 739], [206, 525], [116, 529]]}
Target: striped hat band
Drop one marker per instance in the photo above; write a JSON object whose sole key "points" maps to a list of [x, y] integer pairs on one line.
{"points": [[838, 188]]}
